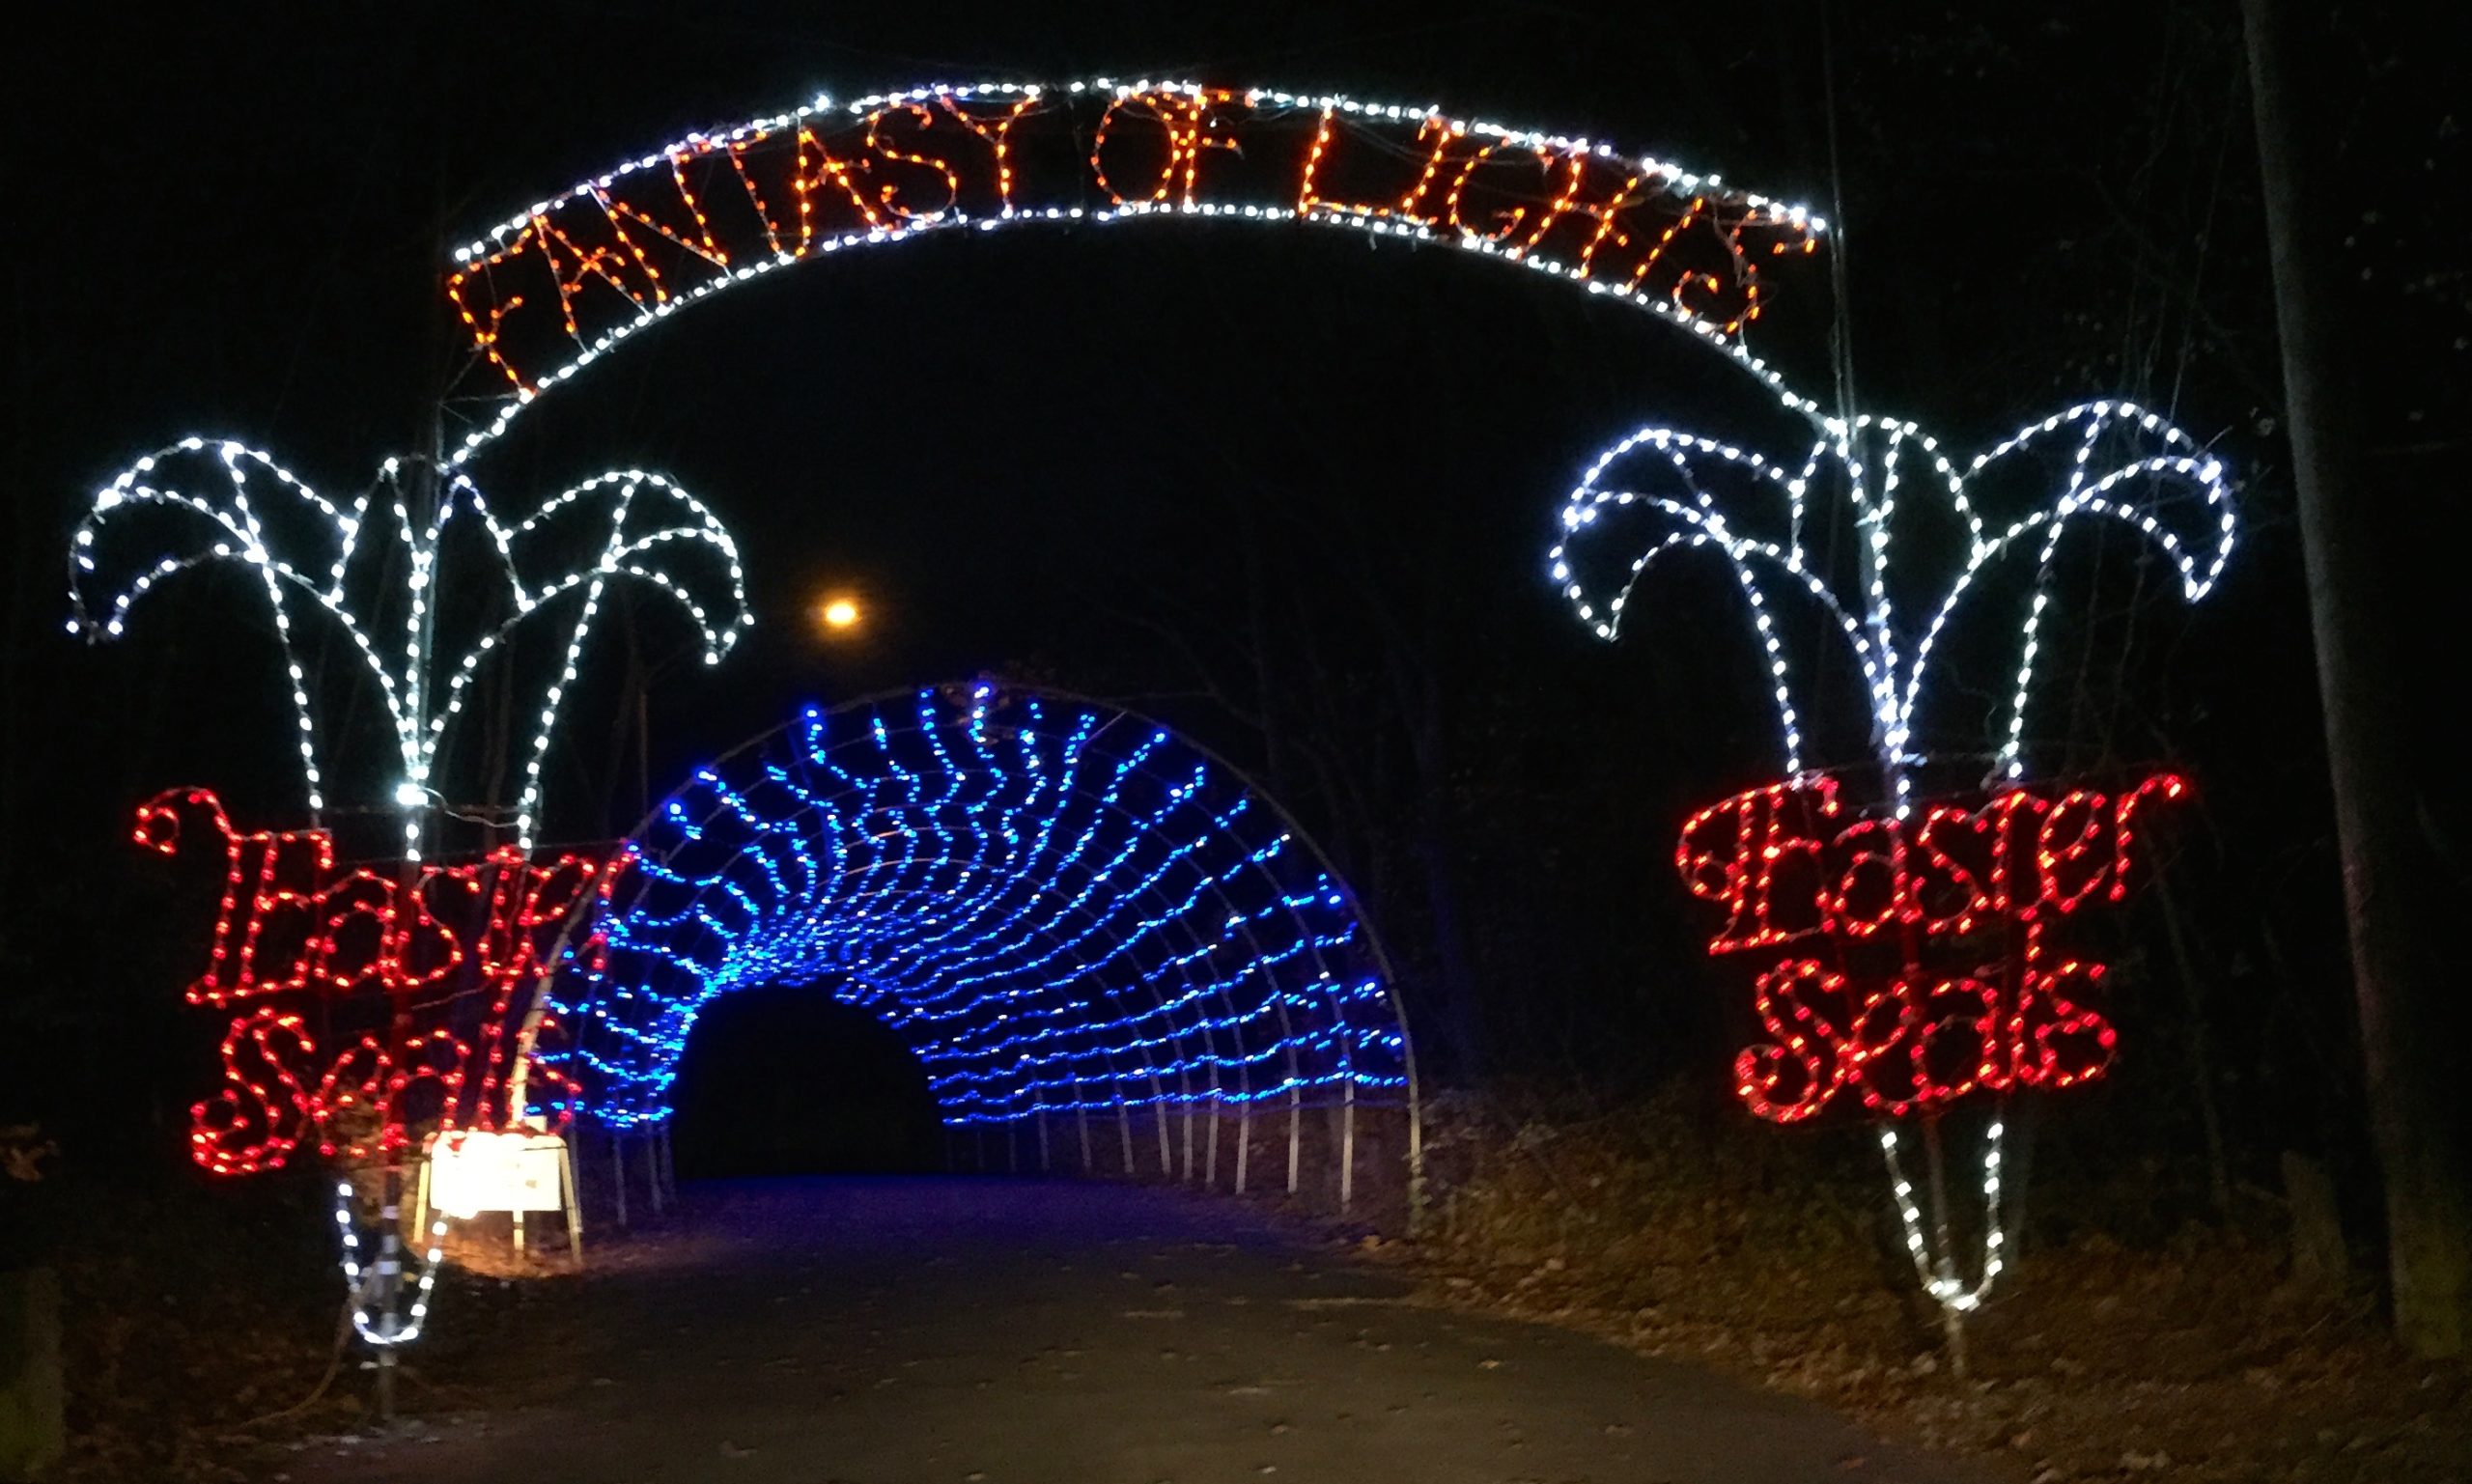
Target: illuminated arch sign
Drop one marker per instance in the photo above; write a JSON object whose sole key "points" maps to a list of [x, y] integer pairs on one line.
{"points": [[549, 290]]}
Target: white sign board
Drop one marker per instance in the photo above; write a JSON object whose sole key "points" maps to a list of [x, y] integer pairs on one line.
{"points": [[470, 1173]]}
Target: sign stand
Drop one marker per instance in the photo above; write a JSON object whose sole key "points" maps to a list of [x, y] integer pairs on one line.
{"points": [[467, 1174]]}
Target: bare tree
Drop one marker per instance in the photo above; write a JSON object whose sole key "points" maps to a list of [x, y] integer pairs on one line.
{"points": [[2416, 1117]]}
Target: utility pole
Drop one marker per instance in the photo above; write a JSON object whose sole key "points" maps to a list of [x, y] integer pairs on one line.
{"points": [[2349, 522]]}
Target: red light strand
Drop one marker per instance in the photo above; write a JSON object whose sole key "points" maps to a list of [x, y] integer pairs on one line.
{"points": [[1985, 885], [292, 923]]}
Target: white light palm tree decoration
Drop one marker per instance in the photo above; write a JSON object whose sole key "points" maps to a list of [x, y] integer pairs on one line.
{"points": [[385, 575], [2110, 461]]}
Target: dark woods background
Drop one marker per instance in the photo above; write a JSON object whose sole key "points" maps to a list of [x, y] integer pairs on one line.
{"points": [[1290, 490]]}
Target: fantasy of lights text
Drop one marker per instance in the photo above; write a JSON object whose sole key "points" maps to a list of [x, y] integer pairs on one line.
{"points": [[557, 285]]}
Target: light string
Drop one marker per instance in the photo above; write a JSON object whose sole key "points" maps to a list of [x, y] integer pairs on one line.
{"points": [[1679, 492], [1933, 1264], [553, 289], [459, 951], [1062, 913], [384, 1278], [202, 500]]}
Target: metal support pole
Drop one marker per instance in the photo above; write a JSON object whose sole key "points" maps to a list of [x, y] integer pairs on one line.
{"points": [[618, 1167], [1044, 1167], [1295, 1136], [1944, 1257], [1347, 1146], [1243, 1141], [573, 1194], [1416, 1162], [652, 1172], [420, 1197], [390, 1282]]}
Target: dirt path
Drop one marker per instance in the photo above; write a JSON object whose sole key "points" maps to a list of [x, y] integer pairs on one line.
{"points": [[863, 1331]]}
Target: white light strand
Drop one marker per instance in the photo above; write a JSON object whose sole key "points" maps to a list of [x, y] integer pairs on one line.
{"points": [[1937, 1268], [694, 144], [2170, 492], [311, 549], [385, 1277]]}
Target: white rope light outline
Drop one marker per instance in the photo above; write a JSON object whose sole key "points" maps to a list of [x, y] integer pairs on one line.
{"points": [[1065, 909], [677, 153], [359, 1281], [232, 524], [1713, 484], [1934, 1265]]}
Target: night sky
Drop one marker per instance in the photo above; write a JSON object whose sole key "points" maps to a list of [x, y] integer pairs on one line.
{"points": [[1095, 458]]}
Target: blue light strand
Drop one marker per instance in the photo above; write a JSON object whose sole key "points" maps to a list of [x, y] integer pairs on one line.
{"points": [[1083, 915]]}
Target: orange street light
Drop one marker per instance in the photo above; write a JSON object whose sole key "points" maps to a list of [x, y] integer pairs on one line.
{"points": [[839, 613]]}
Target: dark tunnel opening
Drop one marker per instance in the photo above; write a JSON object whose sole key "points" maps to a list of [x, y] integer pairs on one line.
{"points": [[783, 1080]]}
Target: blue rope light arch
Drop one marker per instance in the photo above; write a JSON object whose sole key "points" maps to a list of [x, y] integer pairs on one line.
{"points": [[1067, 909]]}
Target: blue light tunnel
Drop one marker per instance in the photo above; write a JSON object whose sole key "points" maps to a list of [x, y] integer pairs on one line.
{"points": [[1065, 910]]}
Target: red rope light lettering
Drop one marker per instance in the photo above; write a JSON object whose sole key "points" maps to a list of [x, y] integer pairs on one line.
{"points": [[455, 951], [551, 288], [1864, 906]]}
